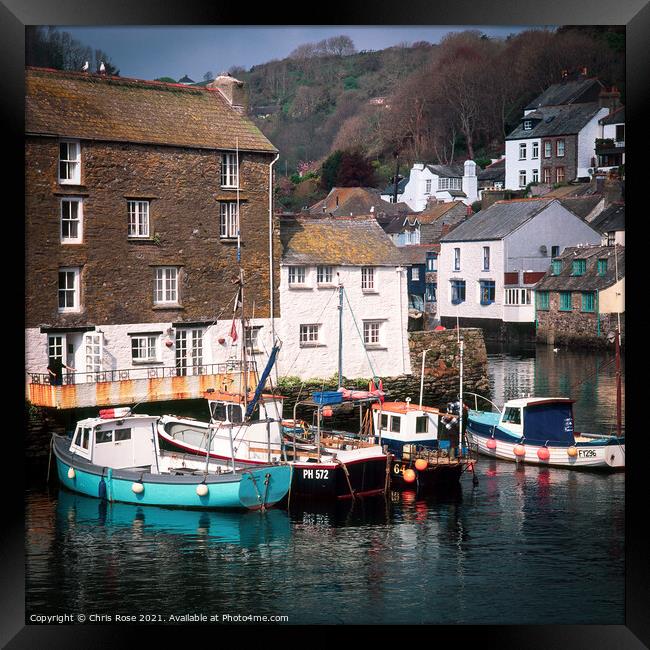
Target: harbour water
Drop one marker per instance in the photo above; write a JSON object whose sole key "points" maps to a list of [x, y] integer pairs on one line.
{"points": [[518, 548]]}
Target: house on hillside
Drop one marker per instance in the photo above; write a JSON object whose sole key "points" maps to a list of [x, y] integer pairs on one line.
{"points": [[610, 223], [582, 296], [354, 201], [136, 196], [490, 263], [437, 219], [441, 182], [493, 176], [318, 255], [610, 144], [421, 261]]}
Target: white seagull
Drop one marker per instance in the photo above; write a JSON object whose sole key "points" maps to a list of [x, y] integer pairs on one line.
{"points": [[556, 349], [102, 67], [85, 67]]}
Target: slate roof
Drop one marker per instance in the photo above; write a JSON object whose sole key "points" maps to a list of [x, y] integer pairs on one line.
{"points": [[447, 171], [439, 212], [342, 241], [493, 172], [497, 221], [186, 80], [610, 219], [118, 109], [401, 184], [582, 206], [396, 224], [590, 281], [566, 92], [356, 201], [555, 120], [417, 253], [617, 117]]}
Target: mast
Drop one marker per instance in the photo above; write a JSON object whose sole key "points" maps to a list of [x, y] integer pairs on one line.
{"points": [[460, 410], [618, 384], [340, 331]]}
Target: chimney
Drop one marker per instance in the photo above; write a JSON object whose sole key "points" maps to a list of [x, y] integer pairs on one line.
{"points": [[610, 98], [233, 90]]}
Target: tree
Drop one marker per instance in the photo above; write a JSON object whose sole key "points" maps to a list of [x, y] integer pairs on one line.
{"points": [[329, 170]]}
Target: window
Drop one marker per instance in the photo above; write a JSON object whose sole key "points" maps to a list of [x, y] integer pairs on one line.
{"points": [[431, 261], [166, 285], [324, 275], [456, 259], [422, 424], [71, 221], [565, 301], [620, 133], [555, 251], [69, 163], [542, 300], [602, 267], [415, 273], [522, 151], [103, 436], [430, 292], [229, 170], [450, 184], [547, 149], [309, 335], [297, 275], [367, 278], [512, 415], [535, 150], [486, 258], [528, 125], [395, 422], [535, 175], [228, 220], [55, 346], [516, 297], [547, 175], [189, 351], [144, 347], [522, 178], [457, 291], [559, 174], [427, 186], [371, 331], [588, 301], [122, 434], [138, 218], [578, 267], [251, 336], [487, 288], [69, 299], [559, 148], [556, 267], [384, 420], [611, 238]]}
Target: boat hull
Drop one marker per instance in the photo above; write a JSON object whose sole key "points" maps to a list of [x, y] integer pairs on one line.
{"points": [[433, 477], [250, 489]]}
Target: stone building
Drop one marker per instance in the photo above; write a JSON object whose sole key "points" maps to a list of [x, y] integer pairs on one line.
{"points": [[140, 197], [581, 298]]}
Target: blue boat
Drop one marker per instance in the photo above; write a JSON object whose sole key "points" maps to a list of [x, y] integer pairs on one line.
{"points": [[116, 457]]}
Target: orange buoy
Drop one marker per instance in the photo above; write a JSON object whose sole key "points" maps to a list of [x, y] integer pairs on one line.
{"points": [[409, 475], [543, 453], [421, 464], [327, 412], [572, 452], [519, 450], [491, 443]]}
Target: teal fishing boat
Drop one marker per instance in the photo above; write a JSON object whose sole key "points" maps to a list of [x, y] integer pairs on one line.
{"points": [[116, 457]]}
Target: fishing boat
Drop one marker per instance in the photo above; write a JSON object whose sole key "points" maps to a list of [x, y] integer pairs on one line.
{"points": [[116, 457]]}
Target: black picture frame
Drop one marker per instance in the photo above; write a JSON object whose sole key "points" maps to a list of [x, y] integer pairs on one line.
{"points": [[634, 14]]}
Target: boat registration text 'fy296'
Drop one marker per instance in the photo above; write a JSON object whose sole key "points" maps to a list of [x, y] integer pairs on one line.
{"points": [[316, 473]]}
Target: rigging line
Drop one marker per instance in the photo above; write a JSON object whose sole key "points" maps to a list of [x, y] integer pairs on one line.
{"points": [[360, 336], [592, 374]]}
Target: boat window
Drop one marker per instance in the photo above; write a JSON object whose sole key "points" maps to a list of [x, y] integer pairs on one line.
{"points": [[422, 424], [512, 415], [235, 413], [395, 422], [85, 438], [103, 436], [218, 411], [75, 438], [122, 434], [384, 421]]}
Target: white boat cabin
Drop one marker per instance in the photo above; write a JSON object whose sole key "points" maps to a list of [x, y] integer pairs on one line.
{"points": [[229, 408], [550, 417], [117, 442]]}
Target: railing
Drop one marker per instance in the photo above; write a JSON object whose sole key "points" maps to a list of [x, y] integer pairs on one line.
{"points": [[141, 373], [476, 396]]}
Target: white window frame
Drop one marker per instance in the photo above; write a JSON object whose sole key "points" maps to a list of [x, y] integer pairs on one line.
{"points": [[297, 276], [368, 279], [557, 148], [189, 351], [309, 334], [229, 171], [427, 186], [486, 258], [445, 183], [548, 148], [78, 221], [522, 178], [72, 163], [74, 273], [522, 151], [535, 176], [165, 290], [149, 343], [93, 348], [415, 274], [456, 259], [228, 220], [372, 333], [252, 338], [528, 125], [535, 152], [138, 218], [324, 275]]}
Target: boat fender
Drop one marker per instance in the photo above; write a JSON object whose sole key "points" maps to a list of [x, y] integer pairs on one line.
{"points": [[572, 452], [409, 476], [421, 464], [519, 450], [201, 489], [138, 488], [71, 473], [491, 443], [543, 453]]}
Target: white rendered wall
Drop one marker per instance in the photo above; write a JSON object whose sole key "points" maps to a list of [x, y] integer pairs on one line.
{"points": [[587, 143], [319, 305], [513, 164], [414, 191]]}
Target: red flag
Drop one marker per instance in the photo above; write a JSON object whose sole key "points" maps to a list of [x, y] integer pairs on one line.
{"points": [[233, 331]]}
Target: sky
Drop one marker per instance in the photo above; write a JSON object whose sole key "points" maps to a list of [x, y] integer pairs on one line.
{"points": [[150, 52]]}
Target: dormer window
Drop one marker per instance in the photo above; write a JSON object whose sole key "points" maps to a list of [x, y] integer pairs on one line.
{"points": [[70, 162], [528, 125]]}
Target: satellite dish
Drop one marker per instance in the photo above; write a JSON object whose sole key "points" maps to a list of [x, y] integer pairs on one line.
{"points": [[611, 336]]}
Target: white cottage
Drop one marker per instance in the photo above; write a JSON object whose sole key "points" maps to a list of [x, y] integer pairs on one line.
{"points": [[489, 263], [319, 255]]}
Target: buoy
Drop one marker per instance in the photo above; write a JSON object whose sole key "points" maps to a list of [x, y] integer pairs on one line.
{"points": [[572, 452], [71, 473], [201, 489], [327, 412], [491, 443], [519, 450], [409, 475], [421, 464], [543, 453], [110, 414], [138, 488]]}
